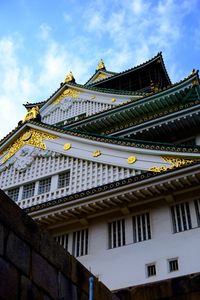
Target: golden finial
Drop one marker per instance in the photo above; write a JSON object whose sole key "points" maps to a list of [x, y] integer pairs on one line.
{"points": [[31, 114], [69, 78], [101, 65]]}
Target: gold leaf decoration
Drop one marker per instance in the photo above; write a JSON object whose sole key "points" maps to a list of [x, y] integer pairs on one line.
{"points": [[30, 137], [131, 159], [31, 114], [175, 163], [69, 92], [96, 153], [101, 65], [67, 146]]}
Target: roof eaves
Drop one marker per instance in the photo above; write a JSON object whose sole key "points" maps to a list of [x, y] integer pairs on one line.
{"points": [[131, 69], [122, 141], [103, 188], [191, 77]]}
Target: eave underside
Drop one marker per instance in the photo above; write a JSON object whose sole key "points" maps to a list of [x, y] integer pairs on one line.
{"points": [[139, 78], [169, 187]]}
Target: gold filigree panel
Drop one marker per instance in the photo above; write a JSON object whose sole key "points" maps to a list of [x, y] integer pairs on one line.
{"points": [[175, 163], [100, 76], [30, 137], [69, 92]]}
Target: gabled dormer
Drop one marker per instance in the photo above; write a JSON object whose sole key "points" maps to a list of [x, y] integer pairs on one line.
{"points": [[100, 74]]}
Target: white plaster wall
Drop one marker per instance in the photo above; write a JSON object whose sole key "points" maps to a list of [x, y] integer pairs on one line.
{"points": [[125, 266], [84, 174], [72, 108]]}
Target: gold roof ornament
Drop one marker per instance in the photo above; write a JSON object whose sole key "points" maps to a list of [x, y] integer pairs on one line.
{"points": [[69, 77], [31, 137], [101, 65], [131, 159], [31, 114], [96, 153], [67, 146]]}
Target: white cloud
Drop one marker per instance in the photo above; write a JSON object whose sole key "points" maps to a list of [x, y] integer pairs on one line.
{"points": [[15, 84], [125, 34], [138, 29]]}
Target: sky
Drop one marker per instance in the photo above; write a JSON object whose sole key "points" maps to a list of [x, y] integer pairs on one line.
{"points": [[41, 41]]}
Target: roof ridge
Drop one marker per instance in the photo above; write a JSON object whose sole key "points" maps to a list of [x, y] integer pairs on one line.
{"points": [[99, 71], [191, 76], [158, 55]]}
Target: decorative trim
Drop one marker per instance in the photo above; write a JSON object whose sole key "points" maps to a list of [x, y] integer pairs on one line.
{"points": [[69, 92], [95, 190], [131, 159], [175, 162], [96, 153], [31, 114], [67, 146], [30, 137]]}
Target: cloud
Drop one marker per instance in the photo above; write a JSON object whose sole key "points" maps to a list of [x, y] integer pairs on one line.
{"points": [[138, 29], [125, 34], [15, 84]]}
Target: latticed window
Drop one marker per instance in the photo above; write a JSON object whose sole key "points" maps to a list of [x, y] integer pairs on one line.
{"points": [[63, 179], [62, 240], [44, 185], [197, 208], [116, 232], [28, 190], [181, 218], [173, 264], [80, 243], [141, 228], [13, 193], [151, 270]]}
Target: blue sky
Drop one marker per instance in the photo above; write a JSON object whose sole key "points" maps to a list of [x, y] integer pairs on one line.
{"points": [[41, 41]]}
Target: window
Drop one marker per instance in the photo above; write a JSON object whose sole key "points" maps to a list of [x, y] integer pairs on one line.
{"points": [[197, 208], [173, 264], [181, 218], [63, 179], [62, 240], [151, 270], [116, 232], [44, 185], [13, 193], [28, 190], [141, 228], [80, 243]]}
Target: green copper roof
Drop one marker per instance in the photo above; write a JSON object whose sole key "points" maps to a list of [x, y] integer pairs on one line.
{"points": [[176, 96]]}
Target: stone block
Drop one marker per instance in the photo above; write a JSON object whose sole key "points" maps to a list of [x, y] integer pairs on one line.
{"points": [[67, 290], [28, 290], [80, 275], [9, 281], [1, 239], [18, 252], [44, 275], [20, 222], [55, 253]]}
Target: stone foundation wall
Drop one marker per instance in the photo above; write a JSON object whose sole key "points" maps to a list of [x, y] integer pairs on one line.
{"points": [[179, 288], [34, 267]]}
